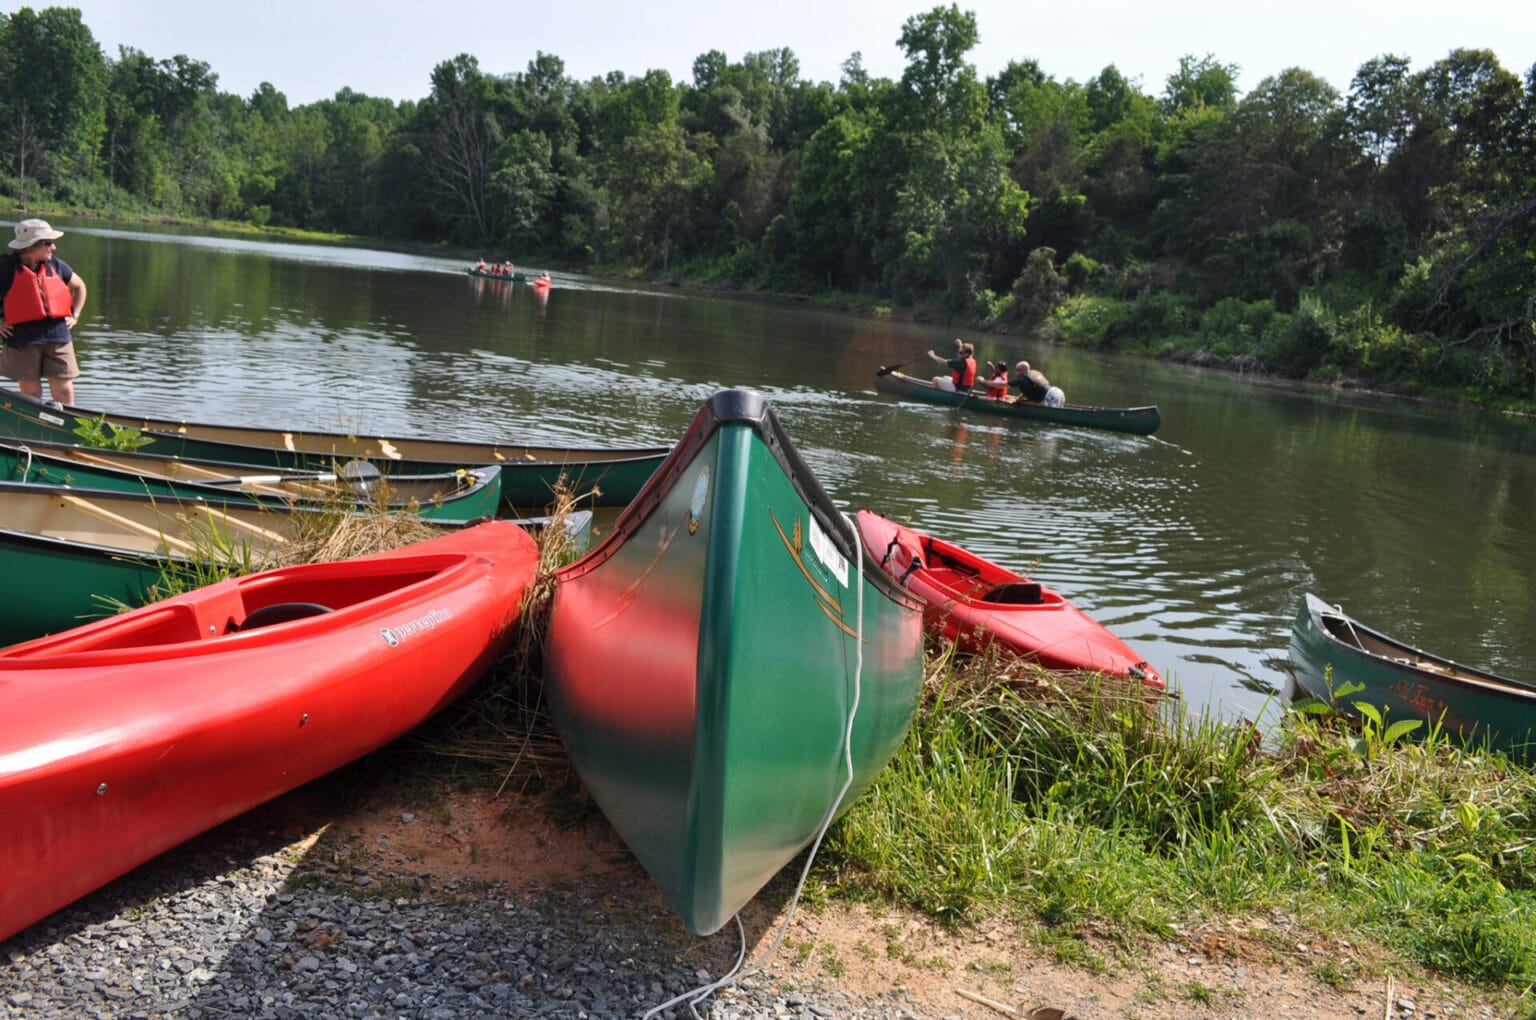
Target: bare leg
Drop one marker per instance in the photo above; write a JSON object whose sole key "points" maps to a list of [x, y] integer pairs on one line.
{"points": [[62, 389], [30, 387]]}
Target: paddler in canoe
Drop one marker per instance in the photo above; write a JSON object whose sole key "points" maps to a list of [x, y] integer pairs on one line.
{"points": [[997, 380], [1035, 388], [962, 369]]}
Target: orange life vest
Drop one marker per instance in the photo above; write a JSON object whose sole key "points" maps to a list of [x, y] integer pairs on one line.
{"points": [[964, 380], [37, 294], [997, 387]]}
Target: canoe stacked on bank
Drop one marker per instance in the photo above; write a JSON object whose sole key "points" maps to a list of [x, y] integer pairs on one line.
{"points": [[1140, 421], [977, 603], [463, 495], [529, 474], [93, 551], [1329, 649], [727, 669], [128, 736]]}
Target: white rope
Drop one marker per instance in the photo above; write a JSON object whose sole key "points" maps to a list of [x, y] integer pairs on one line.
{"points": [[696, 995]]}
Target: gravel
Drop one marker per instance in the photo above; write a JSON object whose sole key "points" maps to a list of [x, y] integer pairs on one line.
{"points": [[201, 932]]}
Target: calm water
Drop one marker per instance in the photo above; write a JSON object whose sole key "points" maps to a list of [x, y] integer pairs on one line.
{"points": [[1195, 546]]}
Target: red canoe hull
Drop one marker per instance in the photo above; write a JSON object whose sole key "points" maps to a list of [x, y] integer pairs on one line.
{"points": [[129, 735], [1027, 618]]}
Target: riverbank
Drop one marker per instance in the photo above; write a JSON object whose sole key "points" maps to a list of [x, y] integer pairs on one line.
{"points": [[348, 899]]}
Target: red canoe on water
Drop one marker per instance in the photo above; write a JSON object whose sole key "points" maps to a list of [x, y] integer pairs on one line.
{"points": [[129, 735], [974, 602]]}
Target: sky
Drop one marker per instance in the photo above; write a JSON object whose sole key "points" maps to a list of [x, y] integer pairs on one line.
{"points": [[387, 48]]}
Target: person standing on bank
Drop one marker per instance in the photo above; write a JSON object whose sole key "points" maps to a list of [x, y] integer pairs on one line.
{"points": [[962, 369], [1035, 388], [43, 298]]}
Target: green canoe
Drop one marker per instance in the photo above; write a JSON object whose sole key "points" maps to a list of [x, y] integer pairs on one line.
{"points": [[703, 661], [483, 275], [528, 473], [1329, 647], [463, 495], [1141, 421], [88, 551]]}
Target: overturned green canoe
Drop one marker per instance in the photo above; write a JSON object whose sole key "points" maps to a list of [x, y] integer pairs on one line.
{"points": [[464, 495], [1141, 421], [529, 474], [703, 662]]}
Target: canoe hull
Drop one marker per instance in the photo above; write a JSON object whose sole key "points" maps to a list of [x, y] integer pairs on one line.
{"points": [[1327, 645], [1140, 421], [130, 735], [953, 584], [703, 659], [528, 473]]}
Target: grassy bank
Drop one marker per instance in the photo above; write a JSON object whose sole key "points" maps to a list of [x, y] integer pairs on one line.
{"points": [[1095, 823]]}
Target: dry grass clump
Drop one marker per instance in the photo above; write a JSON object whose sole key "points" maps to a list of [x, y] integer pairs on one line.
{"points": [[335, 535], [502, 729]]}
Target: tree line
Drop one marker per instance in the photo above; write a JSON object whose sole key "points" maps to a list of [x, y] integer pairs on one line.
{"points": [[1387, 235]]}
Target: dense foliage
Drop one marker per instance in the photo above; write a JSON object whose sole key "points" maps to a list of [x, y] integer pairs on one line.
{"points": [[1388, 235]]}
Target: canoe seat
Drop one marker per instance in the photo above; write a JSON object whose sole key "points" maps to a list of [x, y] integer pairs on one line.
{"points": [[281, 612], [1015, 593]]}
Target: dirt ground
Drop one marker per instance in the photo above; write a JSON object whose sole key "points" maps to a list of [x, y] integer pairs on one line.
{"points": [[1261, 967]]}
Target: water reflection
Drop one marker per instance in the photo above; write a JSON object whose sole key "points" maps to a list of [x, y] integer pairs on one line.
{"points": [[1194, 545]]}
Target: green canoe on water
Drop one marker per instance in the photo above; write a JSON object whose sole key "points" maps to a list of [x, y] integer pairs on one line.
{"points": [[483, 275], [529, 474], [704, 659], [463, 495], [1140, 421], [1328, 647], [84, 552]]}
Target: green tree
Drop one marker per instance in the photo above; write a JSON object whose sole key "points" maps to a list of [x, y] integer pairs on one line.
{"points": [[52, 97], [460, 137], [1200, 84]]}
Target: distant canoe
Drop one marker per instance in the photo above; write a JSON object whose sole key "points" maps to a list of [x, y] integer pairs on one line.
{"points": [[976, 603], [1328, 645], [127, 736], [464, 495], [528, 473], [1140, 421], [702, 662], [513, 278]]}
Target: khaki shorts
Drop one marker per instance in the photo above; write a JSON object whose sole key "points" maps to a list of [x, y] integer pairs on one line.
{"points": [[39, 361]]}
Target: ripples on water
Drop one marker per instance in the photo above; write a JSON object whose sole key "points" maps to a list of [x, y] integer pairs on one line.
{"points": [[1194, 545]]}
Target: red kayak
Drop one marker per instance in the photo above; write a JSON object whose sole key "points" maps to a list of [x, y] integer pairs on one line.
{"points": [[974, 602], [129, 735]]}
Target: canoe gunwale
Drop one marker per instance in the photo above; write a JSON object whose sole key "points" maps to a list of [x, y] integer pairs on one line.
{"points": [[1455, 674]]}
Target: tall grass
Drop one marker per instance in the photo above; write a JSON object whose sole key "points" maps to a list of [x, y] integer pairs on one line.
{"points": [[1071, 800]]}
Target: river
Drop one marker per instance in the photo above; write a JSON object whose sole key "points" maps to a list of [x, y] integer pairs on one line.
{"points": [[1194, 545]]}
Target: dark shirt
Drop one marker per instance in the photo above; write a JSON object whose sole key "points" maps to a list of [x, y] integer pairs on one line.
{"points": [[43, 331], [1030, 387]]}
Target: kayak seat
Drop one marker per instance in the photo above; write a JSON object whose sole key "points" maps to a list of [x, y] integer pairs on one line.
{"points": [[281, 612], [1015, 593]]}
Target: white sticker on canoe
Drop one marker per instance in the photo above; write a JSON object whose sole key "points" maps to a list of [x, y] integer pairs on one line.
{"points": [[50, 418], [827, 553], [427, 621]]}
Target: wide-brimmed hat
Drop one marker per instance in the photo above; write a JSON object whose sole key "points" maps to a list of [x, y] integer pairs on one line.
{"points": [[29, 232]]}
